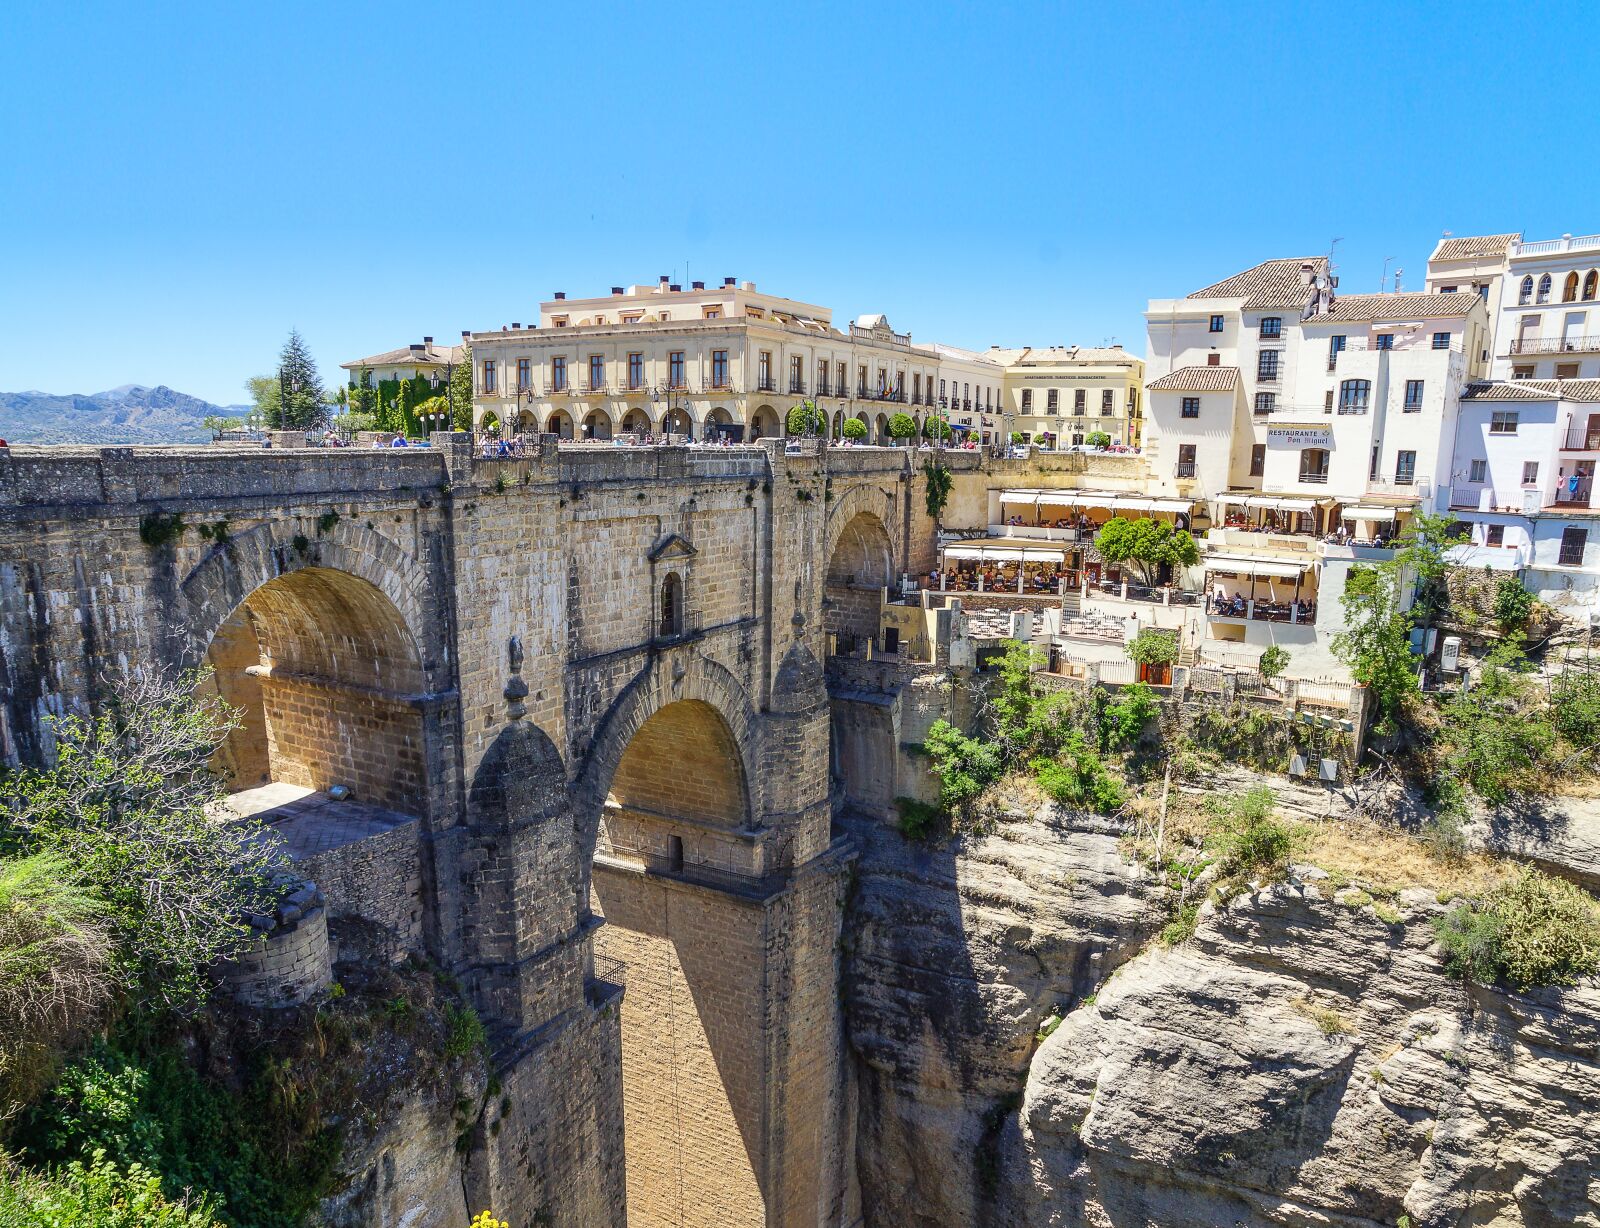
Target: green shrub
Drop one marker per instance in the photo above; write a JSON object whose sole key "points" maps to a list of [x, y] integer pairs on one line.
{"points": [[96, 1194], [965, 766], [1078, 777], [1512, 603], [854, 428], [918, 820], [806, 419], [1125, 718], [1097, 439], [1182, 926], [937, 484], [1251, 839], [936, 428], [1533, 930], [1575, 706], [465, 1032]]}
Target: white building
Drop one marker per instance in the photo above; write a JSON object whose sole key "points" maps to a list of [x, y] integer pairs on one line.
{"points": [[1299, 416], [970, 387], [1522, 485], [1543, 296], [424, 358]]}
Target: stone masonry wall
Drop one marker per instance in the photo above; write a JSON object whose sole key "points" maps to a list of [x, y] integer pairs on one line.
{"points": [[377, 881], [318, 736]]}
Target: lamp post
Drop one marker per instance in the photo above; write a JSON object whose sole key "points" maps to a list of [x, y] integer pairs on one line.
{"points": [[673, 397]]}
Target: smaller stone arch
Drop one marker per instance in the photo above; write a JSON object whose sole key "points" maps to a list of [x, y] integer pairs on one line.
{"points": [[678, 421], [597, 424], [489, 422], [765, 424], [636, 422], [559, 423], [880, 430]]}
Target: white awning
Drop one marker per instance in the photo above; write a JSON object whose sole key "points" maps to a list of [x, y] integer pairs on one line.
{"points": [[1278, 504], [1009, 554], [1019, 496], [1255, 567], [1183, 506], [1374, 514]]}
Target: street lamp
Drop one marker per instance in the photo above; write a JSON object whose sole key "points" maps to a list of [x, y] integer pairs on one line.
{"points": [[673, 396]]}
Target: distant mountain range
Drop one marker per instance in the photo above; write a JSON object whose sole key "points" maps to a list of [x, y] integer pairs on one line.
{"points": [[129, 414]]}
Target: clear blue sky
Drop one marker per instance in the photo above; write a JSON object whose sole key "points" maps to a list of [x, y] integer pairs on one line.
{"points": [[180, 185]]}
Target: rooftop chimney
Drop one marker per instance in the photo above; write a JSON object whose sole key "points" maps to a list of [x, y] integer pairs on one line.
{"points": [[466, 332], [749, 286], [560, 294], [616, 289], [417, 349], [517, 325], [727, 281], [698, 285], [675, 287], [1305, 273], [427, 341]]}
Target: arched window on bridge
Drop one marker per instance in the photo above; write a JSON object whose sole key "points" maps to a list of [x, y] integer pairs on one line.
{"points": [[671, 606]]}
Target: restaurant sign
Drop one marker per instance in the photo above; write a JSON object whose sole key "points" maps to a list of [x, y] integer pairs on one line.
{"points": [[1312, 436]]}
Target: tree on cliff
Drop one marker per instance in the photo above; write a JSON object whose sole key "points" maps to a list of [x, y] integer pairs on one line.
{"points": [[460, 393]]}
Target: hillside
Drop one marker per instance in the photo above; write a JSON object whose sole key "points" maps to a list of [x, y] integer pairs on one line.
{"points": [[129, 414]]}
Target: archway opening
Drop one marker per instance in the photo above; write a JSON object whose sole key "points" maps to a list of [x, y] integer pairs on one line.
{"points": [[678, 422], [675, 829], [765, 424], [329, 684], [636, 422], [559, 423], [859, 569], [597, 425]]}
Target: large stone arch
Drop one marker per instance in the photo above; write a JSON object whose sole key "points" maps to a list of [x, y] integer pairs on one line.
{"points": [[220, 583], [671, 677], [869, 499]]}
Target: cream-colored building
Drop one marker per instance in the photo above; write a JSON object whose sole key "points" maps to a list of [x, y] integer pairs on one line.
{"points": [[1060, 395], [426, 359], [704, 361], [971, 387]]}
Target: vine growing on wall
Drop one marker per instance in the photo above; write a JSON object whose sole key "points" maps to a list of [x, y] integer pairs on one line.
{"points": [[939, 482]]}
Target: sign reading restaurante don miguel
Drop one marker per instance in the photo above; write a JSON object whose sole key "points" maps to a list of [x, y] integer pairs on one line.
{"points": [[1291, 436]]}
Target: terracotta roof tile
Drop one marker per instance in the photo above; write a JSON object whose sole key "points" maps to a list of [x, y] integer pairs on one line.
{"points": [[1272, 283], [1198, 379], [1468, 246], [1407, 306]]}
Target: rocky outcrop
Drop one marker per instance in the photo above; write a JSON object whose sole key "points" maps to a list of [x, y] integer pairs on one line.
{"points": [[957, 955], [1302, 1061]]}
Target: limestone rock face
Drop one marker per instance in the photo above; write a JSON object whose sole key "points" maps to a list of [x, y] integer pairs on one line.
{"points": [[1300, 1061], [957, 956], [1303, 1062]]}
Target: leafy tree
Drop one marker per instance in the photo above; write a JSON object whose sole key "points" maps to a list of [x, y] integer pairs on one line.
{"points": [[936, 428], [1018, 437], [806, 418], [1512, 604], [1376, 641], [302, 396], [1251, 839], [1421, 552], [460, 390], [129, 805], [217, 424], [1494, 738], [263, 390], [1274, 660], [965, 766], [1145, 544], [352, 423], [1097, 439], [902, 426], [854, 428], [1575, 706], [425, 409], [1152, 646]]}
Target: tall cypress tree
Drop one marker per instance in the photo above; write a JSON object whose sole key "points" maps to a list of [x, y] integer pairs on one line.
{"points": [[303, 398]]}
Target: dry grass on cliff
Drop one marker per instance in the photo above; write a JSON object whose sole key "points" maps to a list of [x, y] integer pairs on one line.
{"points": [[1390, 861]]}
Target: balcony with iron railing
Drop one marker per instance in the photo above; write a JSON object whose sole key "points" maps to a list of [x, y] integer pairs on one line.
{"points": [[1556, 345], [715, 383], [1185, 469], [765, 383], [1316, 477], [797, 387], [1582, 438]]}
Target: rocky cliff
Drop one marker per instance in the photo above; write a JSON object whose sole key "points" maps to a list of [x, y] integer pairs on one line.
{"points": [[1301, 1060]]}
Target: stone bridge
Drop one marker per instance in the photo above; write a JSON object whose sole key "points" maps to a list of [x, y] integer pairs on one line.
{"points": [[592, 678]]}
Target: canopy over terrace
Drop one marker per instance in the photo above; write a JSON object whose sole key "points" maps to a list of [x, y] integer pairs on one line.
{"points": [[1073, 513], [1247, 587], [1283, 513], [1113, 500], [1001, 566]]}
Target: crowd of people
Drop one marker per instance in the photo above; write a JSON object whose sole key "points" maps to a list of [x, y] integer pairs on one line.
{"points": [[1238, 605]]}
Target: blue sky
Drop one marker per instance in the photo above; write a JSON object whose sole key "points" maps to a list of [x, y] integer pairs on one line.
{"points": [[181, 185]]}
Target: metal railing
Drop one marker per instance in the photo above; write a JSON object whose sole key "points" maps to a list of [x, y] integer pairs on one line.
{"points": [[1583, 439], [1545, 247], [1556, 345], [715, 383], [1186, 469], [765, 383], [1316, 478]]}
